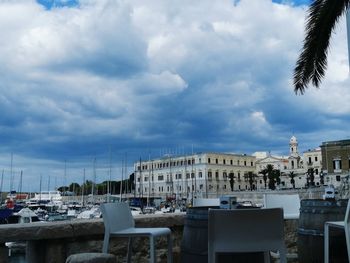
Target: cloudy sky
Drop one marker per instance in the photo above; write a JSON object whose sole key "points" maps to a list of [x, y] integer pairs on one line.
{"points": [[115, 80]]}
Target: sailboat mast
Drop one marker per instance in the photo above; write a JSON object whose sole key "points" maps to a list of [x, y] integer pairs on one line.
{"points": [[94, 178], [83, 189], [121, 182], [11, 175], [149, 179], [40, 187], [110, 176], [20, 183], [2, 181]]}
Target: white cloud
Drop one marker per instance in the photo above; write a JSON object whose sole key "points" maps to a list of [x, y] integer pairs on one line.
{"points": [[143, 71]]}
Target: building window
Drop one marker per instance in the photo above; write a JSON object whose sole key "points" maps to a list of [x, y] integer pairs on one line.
{"points": [[337, 164], [200, 174], [217, 175], [216, 161], [200, 160], [208, 160], [192, 175], [201, 187], [231, 162], [160, 177], [237, 162], [251, 164], [187, 175], [224, 161], [209, 175], [337, 178], [315, 158], [146, 179], [245, 163]]}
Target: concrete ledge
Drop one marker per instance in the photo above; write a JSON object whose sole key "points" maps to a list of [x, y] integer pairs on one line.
{"points": [[78, 228]]}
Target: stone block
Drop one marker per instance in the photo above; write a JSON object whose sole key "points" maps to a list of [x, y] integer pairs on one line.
{"points": [[91, 258]]}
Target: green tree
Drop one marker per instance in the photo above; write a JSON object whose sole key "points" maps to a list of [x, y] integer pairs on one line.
{"points": [[310, 177], [74, 187], [292, 181], [250, 176], [311, 65], [264, 173], [232, 181]]}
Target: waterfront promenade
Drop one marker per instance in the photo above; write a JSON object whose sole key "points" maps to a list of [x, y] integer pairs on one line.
{"points": [[53, 242]]}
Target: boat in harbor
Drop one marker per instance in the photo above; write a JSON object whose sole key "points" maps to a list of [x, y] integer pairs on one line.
{"points": [[93, 212], [25, 215]]}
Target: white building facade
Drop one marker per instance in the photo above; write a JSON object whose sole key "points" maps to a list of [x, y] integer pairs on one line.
{"points": [[197, 175], [294, 165]]}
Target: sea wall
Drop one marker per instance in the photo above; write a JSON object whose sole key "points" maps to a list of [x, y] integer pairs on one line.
{"points": [[53, 242]]}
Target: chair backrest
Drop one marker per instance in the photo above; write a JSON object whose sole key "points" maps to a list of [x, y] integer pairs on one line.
{"points": [[289, 202], [197, 202], [347, 217], [117, 216], [245, 230]]}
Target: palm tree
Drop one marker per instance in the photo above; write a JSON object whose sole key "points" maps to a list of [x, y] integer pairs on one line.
{"points": [[292, 181], [322, 17]]}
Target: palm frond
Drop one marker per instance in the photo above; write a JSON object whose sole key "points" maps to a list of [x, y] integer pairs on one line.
{"points": [[311, 65]]}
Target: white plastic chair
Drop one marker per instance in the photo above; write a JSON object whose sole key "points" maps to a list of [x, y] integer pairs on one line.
{"points": [[246, 230], [337, 224], [289, 202], [119, 222], [202, 202]]}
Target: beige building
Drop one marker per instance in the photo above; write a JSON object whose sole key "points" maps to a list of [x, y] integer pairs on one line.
{"points": [[336, 160], [196, 175]]}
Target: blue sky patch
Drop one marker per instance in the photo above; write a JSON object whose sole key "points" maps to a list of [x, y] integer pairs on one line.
{"points": [[49, 4]]}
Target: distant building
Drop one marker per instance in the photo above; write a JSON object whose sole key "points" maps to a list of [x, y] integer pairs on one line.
{"points": [[313, 164], [294, 165], [200, 175], [336, 160]]}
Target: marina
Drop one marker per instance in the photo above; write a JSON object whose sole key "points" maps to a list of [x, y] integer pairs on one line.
{"points": [[244, 199]]}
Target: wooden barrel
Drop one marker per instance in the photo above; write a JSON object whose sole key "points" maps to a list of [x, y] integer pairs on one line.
{"points": [[313, 214], [194, 245]]}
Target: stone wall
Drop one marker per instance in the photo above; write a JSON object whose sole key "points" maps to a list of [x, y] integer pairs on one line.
{"points": [[54, 242]]}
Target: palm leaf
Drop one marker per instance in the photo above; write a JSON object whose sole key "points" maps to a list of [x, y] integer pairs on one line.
{"points": [[322, 17]]}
